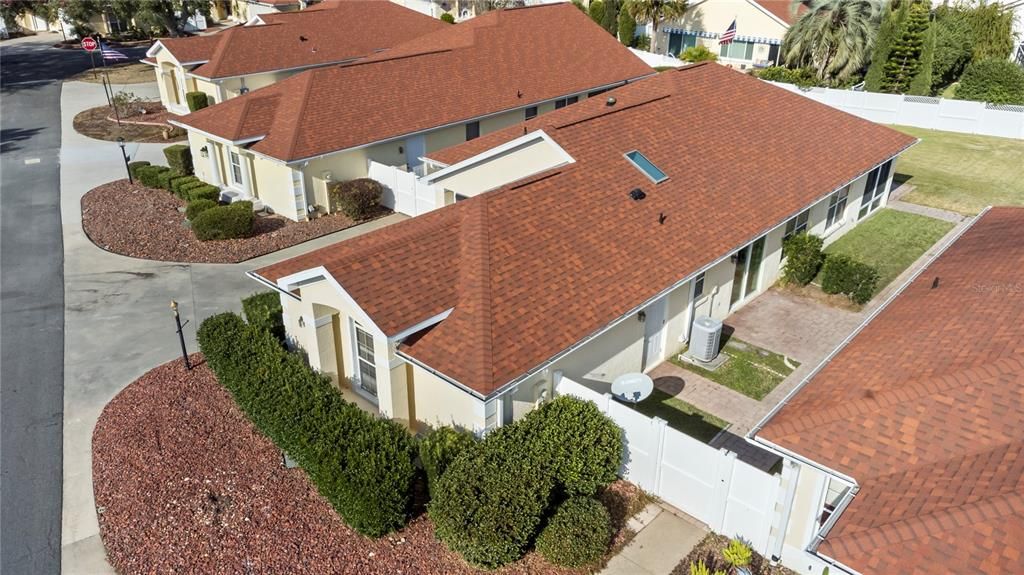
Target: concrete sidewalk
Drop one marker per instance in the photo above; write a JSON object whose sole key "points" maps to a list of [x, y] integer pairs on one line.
{"points": [[664, 538], [117, 320]]}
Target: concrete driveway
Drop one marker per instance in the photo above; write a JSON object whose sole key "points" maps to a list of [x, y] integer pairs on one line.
{"points": [[118, 323]]}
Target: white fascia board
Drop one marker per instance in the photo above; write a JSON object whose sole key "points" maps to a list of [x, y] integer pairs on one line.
{"points": [[421, 325], [220, 139], [321, 273], [450, 380], [292, 69], [155, 49], [538, 135], [255, 21]]}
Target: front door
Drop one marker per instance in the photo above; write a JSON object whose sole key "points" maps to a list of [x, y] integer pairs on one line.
{"points": [[654, 321], [747, 275], [366, 366], [326, 348]]}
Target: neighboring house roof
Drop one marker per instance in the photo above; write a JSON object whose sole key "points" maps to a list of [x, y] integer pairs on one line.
{"points": [[924, 408], [782, 9], [537, 266], [338, 32], [500, 61]]}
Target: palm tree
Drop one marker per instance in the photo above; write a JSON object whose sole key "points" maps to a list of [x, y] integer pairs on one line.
{"points": [[656, 12], [833, 37]]}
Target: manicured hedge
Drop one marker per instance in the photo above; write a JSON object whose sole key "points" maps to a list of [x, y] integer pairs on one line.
{"points": [[181, 181], [165, 178], [438, 448], [224, 222], [196, 100], [357, 199], [133, 168], [150, 176], [997, 81], [577, 534], [263, 310], [196, 207], [361, 464], [179, 158], [490, 503], [803, 258], [845, 275], [204, 192], [492, 499]]}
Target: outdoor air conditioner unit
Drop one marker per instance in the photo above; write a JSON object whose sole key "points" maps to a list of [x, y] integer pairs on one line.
{"points": [[707, 333]]}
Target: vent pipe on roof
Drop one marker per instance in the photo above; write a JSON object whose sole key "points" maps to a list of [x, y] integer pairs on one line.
{"points": [[637, 194], [610, 101]]}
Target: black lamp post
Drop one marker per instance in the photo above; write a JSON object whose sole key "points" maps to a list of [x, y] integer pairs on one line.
{"points": [[120, 142], [181, 334]]}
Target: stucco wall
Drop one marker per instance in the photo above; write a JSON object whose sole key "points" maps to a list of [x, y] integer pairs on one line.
{"points": [[272, 183], [615, 352], [716, 15], [528, 159], [441, 403]]}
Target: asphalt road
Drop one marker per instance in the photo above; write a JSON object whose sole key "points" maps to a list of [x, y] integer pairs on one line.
{"points": [[31, 302]]}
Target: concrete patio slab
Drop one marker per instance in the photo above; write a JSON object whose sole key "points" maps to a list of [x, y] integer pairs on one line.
{"points": [[666, 540]]}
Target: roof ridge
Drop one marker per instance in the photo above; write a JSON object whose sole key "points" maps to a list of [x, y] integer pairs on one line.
{"points": [[475, 276], [307, 89], [906, 390]]}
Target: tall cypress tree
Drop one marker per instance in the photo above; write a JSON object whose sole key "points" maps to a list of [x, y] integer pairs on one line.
{"points": [[610, 18], [905, 57], [921, 85], [892, 22]]}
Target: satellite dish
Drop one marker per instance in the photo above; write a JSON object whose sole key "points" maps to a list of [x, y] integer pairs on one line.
{"points": [[632, 387]]}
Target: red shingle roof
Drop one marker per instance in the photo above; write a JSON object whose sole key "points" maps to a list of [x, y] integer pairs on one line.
{"points": [[499, 61], [782, 9], [337, 32], [924, 408], [535, 267]]}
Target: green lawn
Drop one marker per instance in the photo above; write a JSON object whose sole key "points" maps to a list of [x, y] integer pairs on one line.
{"points": [[681, 416], [750, 370], [962, 172], [890, 241]]}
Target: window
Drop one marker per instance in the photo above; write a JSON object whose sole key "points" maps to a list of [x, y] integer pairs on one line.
{"points": [[472, 131], [236, 168], [645, 166], [531, 112], [698, 286], [737, 50], [677, 42], [797, 225], [367, 365], [833, 496], [566, 101], [875, 187], [836, 207]]}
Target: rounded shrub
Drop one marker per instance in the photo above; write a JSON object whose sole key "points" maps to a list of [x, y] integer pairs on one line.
{"points": [[490, 503], [149, 176], [224, 222], [264, 311], [196, 207], [578, 534], [357, 198], [204, 192], [577, 444], [845, 275], [180, 182], [698, 54], [133, 168], [438, 448], [446, 17], [803, 258], [996, 81]]}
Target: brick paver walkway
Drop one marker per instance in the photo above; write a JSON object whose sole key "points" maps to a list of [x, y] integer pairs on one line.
{"points": [[786, 323]]}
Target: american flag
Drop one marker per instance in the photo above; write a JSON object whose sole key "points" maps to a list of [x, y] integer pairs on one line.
{"points": [[111, 54], [729, 34]]}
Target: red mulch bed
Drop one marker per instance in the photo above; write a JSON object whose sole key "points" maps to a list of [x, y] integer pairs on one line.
{"points": [[155, 115], [185, 484], [140, 222]]}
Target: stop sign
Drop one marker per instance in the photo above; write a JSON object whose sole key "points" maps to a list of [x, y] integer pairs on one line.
{"points": [[89, 44]]}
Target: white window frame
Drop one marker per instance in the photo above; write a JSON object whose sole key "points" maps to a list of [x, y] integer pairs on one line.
{"points": [[235, 161], [875, 187], [358, 360], [836, 213], [531, 112], [798, 227]]}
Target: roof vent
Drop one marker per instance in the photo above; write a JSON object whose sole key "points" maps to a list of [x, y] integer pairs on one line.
{"points": [[610, 101], [637, 194]]}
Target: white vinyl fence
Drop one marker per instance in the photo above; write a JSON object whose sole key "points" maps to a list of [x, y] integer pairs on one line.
{"points": [[963, 116], [403, 191], [656, 60], [730, 496]]}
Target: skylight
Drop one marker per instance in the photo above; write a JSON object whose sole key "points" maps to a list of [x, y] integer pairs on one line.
{"points": [[645, 166]]}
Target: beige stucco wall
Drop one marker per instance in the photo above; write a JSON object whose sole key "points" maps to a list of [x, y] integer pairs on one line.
{"points": [[438, 402], [272, 183], [528, 159], [615, 352], [232, 86], [716, 15]]}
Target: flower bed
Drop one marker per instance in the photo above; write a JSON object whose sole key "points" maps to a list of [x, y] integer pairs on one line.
{"points": [[710, 550], [184, 483], [141, 222]]}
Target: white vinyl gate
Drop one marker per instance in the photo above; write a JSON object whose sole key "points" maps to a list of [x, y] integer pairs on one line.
{"points": [[730, 496], [403, 191]]}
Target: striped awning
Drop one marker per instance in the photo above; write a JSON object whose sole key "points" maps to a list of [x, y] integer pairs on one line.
{"points": [[703, 34]]}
